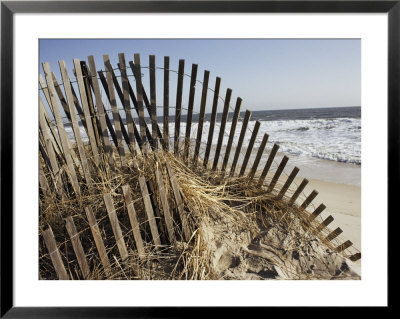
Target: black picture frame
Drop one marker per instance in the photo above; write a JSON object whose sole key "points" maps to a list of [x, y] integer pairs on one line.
{"points": [[9, 8]]}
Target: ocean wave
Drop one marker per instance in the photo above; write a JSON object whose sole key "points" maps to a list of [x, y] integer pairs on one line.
{"points": [[337, 139]]}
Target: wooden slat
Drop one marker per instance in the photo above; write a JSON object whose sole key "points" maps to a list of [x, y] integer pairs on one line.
{"points": [[46, 92], [344, 246], [146, 103], [355, 257], [112, 214], [288, 182], [179, 202], [324, 224], [232, 133], [192, 91], [75, 125], [201, 116], [77, 246], [139, 93], [95, 121], [249, 148], [44, 185], [299, 189], [86, 111], [278, 173], [54, 136], [222, 128], [149, 211], [212, 121], [56, 176], [102, 114], [166, 103], [334, 234], [268, 164], [54, 253], [56, 173], [178, 110], [309, 199], [126, 103], [120, 94], [133, 220], [258, 156], [153, 101], [115, 112], [316, 212], [61, 130], [240, 142], [165, 206], [94, 227]]}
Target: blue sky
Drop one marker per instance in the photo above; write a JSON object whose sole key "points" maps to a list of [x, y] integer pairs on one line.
{"points": [[266, 73]]}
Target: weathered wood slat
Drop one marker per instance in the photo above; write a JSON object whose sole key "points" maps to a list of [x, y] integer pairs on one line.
{"points": [[344, 246], [232, 133], [94, 227], [75, 125], [222, 128], [61, 130], [56, 174], [309, 199], [249, 148], [201, 116], [102, 114], [133, 220], [153, 101], [146, 103], [355, 257], [116, 116], [166, 103], [288, 182], [119, 238], [178, 110], [54, 253], [212, 121], [45, 90], [149, 211], [86, 111], [54, 136], [164, 202], [77, 246], [258, 156], [278, 173], [268, 164], [120, 94], [179, 202], [44, 185], [95, 121], [316, 212], [334, 234], [139, 92], [324, 224], [126, 103], [299, 189], [192, 91], [240, 142]]}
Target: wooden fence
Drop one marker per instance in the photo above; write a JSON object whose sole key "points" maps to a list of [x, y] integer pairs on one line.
{"points": [[110, 146]]}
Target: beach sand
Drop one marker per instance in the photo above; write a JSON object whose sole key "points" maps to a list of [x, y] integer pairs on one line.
{"points": [[343, 202]]}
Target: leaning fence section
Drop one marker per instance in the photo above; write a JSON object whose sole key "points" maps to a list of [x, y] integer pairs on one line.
{"points": [[82, 137]]}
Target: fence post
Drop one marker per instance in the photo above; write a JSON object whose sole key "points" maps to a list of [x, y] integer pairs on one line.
{"points": [[178, 110], [258, 156], [192, 91], [54, 253], [240, 142], [249, 148]]}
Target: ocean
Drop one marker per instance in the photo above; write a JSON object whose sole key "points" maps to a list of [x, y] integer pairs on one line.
{"points": [[315, 139]]}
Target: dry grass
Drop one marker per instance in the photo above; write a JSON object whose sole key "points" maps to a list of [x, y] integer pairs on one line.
{"points": [[210, 198]]}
